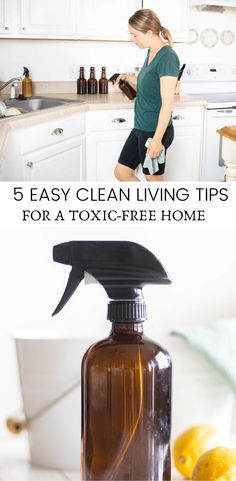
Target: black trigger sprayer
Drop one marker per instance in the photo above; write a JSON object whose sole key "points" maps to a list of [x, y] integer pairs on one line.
{"points": [[126, 378]]}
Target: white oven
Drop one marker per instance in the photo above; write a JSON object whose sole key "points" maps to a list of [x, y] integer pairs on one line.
{"points": [[217, 85], [212, 165]]}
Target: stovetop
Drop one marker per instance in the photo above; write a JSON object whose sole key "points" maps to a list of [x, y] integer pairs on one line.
{"points": [[218, 100], [215, 83]]}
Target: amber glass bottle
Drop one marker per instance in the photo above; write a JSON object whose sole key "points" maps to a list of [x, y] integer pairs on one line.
{"points": [[126, 381], [81, 83], [128, 90], [27, 86], [103, 82], [92, 82]]}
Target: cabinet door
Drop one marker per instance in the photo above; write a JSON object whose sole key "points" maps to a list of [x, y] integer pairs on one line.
{"points": [[174, 15], [106, 20], [183, 156], [5, 17], [103, 150], [48, 17], [64, 162]]}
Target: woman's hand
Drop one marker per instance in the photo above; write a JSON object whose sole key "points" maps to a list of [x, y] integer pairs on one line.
{"points": [[131, 79], [155, 147], [122, 76]]}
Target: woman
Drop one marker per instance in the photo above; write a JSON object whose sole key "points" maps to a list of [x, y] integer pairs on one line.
{"points": [[155, 87]]}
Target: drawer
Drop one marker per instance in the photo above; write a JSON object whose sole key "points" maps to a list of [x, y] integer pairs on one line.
{"points": [[187, 116], [120, 119], [51, 133]]}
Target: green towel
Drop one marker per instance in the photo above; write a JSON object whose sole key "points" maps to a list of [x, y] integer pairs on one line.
{"points": [[217, 342], [153, 164]]}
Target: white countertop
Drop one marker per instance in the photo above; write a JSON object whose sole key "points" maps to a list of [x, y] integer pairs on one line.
{"points": [[15, 465]]}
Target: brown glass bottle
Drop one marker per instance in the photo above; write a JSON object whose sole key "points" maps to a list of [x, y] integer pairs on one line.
{"points": [[103, 82], [126, 384], [81, 83], [27, 85], [128, 90], [92, 82]]}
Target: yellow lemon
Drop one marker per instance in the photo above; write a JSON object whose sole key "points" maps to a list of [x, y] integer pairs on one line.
{"points": [[189, 446], [218, 464]]}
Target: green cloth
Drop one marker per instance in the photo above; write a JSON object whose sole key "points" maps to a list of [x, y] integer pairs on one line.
{"points": [[148, 99], [217, 342], [153, 164]]}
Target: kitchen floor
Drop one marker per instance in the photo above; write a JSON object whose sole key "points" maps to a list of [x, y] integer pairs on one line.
{"points": [[14, 464]]}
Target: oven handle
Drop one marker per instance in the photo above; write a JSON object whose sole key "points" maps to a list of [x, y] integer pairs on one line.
{"points": [[221, 160], [217, 113]]}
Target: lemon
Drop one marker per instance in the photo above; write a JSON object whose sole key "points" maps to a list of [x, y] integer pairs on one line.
{"points": [[218, 464], [191, 444]]}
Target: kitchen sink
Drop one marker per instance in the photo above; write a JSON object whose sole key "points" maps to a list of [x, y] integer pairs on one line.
{"points": [[37, 103]]}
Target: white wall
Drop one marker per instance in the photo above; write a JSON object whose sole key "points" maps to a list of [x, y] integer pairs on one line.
{"points": [[201, 262], [59, 60]]}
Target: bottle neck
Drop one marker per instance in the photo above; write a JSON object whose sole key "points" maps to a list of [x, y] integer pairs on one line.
{"points": [[127, 328], [127, 311], [82, 73], [92, 74]]}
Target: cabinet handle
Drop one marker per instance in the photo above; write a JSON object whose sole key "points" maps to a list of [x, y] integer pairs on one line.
{"points": [[29, 164], [178, 117], [118, 120], [23, 28], [58, 131], [6, 28]]}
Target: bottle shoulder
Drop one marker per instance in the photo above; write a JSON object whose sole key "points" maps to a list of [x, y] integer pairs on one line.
{"points": [[120, 350]]}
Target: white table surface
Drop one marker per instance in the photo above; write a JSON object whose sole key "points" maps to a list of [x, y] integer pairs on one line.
{"points": [[15, 465]]}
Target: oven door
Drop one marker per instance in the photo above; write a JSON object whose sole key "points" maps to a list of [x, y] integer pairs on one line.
{"points": [[212, 164]]}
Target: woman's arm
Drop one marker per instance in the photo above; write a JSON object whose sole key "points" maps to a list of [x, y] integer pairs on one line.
{"points": [[167, 87], [131, 79]]}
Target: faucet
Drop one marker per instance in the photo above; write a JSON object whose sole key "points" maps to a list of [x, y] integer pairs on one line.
{"points": [[11, 81]]}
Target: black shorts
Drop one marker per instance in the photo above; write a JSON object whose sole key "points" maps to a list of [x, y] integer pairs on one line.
{"points": [[134, 150]]}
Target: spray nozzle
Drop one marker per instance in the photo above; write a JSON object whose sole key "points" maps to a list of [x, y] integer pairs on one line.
{"points": [[26, 72], [123, 268]]}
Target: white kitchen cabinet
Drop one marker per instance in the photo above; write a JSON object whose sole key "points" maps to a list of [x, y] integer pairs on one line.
{"points": [[184, 155], [6, 17], [105, 19], [48, 18], [66, 163], [174, 15], [50, 151], [107, 131], [103, 150], [105, 139], [57, 150]]}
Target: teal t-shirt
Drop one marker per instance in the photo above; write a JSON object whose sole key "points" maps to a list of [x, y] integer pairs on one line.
{"points": [[148, 100]]}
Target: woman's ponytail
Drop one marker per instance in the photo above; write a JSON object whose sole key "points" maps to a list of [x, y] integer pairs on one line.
{"points": [[166, 35]]}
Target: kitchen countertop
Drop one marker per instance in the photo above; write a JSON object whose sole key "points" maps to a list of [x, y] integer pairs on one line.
{"points": [[229, 131], [115, 100], [111, 101], [15, 465]]}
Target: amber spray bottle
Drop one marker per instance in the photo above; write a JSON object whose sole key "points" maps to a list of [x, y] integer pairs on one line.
{"points": [[126, 378], [27, 85], [126, 88]]}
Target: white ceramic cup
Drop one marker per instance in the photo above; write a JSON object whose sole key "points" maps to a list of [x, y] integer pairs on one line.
{"points": [[49, 370]]}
